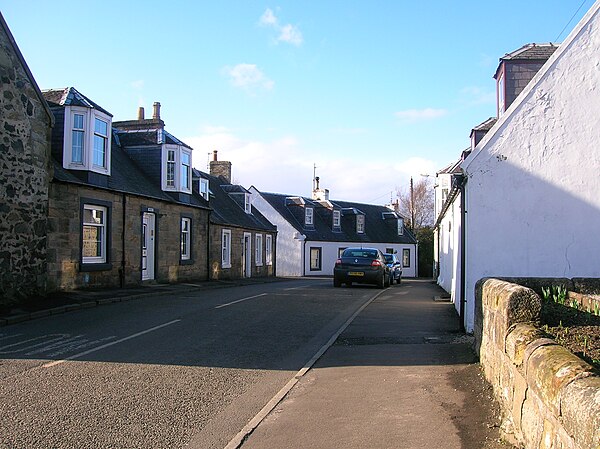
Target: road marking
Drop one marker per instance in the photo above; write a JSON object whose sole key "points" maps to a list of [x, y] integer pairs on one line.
{"points": [[239, 439], [81, 354], [240, 300]]}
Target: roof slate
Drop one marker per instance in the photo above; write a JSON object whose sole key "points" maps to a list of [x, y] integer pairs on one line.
{"points": [[538, 52], [69, 96]]}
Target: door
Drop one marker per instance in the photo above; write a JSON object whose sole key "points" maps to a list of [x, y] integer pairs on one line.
{"points": [[247, 256], [148, 245]]}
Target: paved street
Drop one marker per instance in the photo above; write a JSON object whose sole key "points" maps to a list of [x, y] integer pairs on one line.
{"points": [[193, 369]]}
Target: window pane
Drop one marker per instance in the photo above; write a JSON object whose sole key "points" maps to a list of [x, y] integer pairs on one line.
{"points": [[185, 159], [77, 147], [185, 178], [77, 121], [99, 151], [92, 241], [101, 127], [93, 216]]}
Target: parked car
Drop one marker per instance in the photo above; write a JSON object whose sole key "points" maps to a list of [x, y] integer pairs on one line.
{"points": [[395, 265], [363, 266]]}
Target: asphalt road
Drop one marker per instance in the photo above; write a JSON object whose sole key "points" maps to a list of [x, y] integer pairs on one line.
{"points": [[163, 372]]}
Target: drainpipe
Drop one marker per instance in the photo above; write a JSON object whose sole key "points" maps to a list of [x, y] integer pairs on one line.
{"points": [[122, 270], [462, 181], [208, 267]]}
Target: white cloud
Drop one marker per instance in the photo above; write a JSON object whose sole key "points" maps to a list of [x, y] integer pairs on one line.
{"points": [[248, 77], [284, 165], [288, 33], [417, 115]]}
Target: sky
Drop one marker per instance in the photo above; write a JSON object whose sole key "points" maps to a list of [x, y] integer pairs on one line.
{"points": [[368, 92]]}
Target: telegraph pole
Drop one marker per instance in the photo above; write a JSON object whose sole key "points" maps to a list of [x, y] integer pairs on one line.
{"points": [[412, 205]]}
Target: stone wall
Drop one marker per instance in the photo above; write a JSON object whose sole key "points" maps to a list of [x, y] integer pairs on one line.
{"points": [[25, 128], [550, 398], [64, 247]]}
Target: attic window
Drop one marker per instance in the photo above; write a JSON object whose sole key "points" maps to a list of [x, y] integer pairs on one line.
{"points": [[308, 216], [360, 224], [204, 188], [176, 168], [400, 226], [247, 203], [336, 218]]}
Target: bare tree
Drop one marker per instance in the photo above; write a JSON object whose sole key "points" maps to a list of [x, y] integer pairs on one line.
{"points": [[417, 203]]}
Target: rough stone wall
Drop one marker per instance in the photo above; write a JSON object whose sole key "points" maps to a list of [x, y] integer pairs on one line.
{"points": [[24, 177], [65, 232], [236, 270], [550, 398]]}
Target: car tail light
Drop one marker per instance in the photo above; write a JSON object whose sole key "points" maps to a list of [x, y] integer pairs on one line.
{"points": [[338, 262], [375, 263]]}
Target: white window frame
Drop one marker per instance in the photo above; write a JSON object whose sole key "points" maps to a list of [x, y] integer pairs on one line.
{"points": [[103, 234], [226, 248], [501, 94], [269, 249], [204, 189], [259, 250], [309, 216], [400, 226], [247, 203], [186, 238], [177, 186], [89, 121], [337, 218], [360, 224]]}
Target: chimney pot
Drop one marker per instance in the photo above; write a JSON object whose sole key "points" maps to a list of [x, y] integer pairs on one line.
{"points": [[156, 114], [141, 113], [215, 155]]}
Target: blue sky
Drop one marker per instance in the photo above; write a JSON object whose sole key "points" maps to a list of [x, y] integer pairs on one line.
{"points": [[370, 92]]}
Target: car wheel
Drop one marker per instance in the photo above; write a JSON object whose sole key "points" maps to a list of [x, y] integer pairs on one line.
{"points": [[337, 283], [381, 281], [349, 284], [388, 282]]}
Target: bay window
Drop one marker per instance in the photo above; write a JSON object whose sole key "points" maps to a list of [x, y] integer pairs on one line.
{"points": [[177, 168]]}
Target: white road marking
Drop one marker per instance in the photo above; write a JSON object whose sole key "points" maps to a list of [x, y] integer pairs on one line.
{"points": [[240, 300], [81, 354], [19, 346], [238, 440], [295, 288]]}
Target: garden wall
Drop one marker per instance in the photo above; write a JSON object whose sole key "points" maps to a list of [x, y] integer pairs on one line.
{"points": [[549, 397]]}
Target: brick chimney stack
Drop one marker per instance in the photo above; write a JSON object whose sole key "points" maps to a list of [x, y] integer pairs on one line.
{"points": [[220, 168], [141, 113], [156, 113]]}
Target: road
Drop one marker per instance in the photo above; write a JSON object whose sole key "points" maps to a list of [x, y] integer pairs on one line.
{"points": [[164, 372]]}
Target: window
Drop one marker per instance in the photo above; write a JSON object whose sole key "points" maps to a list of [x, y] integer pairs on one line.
{"points": [[186, 238], [226, 249], [336, 218], [177, 169], [259, 250], [308, 216], [100, 142], [247, 203], [389, 250], [340, 251], [315, 259], [204, 188], [400, 226], [501, 95], [87, 140], [94, 236], [406, 257], [269, 250], [360, 224]]}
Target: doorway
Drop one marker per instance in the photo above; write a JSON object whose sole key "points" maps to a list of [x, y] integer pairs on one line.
{"points": [[247, 256], [148, 245]]}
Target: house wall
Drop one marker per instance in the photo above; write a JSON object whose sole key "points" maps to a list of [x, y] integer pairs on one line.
{"points": [[25, 173], [218, 272], [289, 245], [64, 234], [449, 251], [330, 253], [532, 193]]}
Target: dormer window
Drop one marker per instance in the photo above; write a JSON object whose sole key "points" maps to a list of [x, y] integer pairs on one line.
{"points": [[87, 140], [204, 188], [336, 219], [308, 216], [400, 226], [177, 169], [360, 224], [247, 203], [501, 95]]}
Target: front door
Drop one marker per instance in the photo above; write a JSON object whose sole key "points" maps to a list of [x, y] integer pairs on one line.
{"points": [[148, 247], [247, 256]]}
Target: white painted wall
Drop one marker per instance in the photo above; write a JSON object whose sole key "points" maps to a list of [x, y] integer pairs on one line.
{"points": [[449, 251], [289, 242], [532, 200]]}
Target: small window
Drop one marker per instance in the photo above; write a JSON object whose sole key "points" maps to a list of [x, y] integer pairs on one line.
{"points": [[259, 250], [78, 138], [186, 171], [389, 250], [406, 257], [247, 203], [269, 250], [400, 226], [315, 259], [226, 249], [94, 234], [100, 142], [171, 168], [186, 238], [204, 188], [308, 216], [336, 218], [360, 224]]}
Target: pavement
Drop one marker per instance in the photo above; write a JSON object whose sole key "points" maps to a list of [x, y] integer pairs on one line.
{"points": [[401, 375]]}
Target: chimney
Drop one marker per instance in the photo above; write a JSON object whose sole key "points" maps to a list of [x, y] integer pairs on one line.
{"points": [[156, 113], [141, 113], [220, 168]]}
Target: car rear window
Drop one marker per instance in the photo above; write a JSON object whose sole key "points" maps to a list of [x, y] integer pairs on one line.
{"points": [[360, 253]]}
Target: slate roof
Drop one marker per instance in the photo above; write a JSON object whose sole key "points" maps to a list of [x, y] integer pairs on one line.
{"points": [[533, 52], [377, 229], [69, 96], [147, 137], [227, 210], [486, 125]]}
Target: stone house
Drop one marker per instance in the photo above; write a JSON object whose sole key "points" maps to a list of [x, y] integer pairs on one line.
{"points": [[527, 192], [242, 241], [121, 209], [312, 232], [25, 172]]}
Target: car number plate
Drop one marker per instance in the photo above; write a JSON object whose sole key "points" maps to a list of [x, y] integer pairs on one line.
{"points": [[356, 273]]}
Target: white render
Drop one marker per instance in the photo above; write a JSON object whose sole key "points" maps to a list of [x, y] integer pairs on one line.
{"points": [[289, 242], [532, 203]]}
